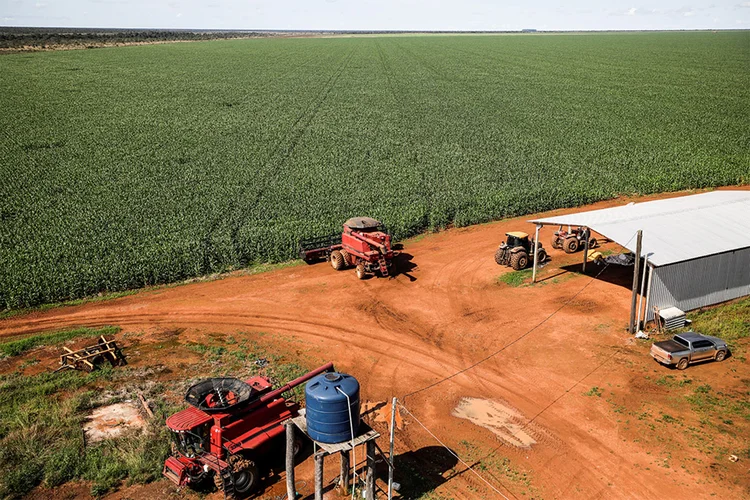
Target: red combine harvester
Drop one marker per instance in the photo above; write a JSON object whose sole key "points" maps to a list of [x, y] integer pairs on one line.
{"points": [[364, 244], [227, 431]]}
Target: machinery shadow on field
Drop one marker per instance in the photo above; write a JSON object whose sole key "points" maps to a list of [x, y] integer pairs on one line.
{"points": [[421, 471], [402, 264], [615, 274]]}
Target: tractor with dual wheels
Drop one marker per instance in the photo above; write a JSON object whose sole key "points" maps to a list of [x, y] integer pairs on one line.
{"points": [[230, 431], [517, 251], [364, 244], [573, 239]]}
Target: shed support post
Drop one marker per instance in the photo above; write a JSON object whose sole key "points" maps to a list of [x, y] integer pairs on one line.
{"points": [[587, 234], [344, 476], [370, 480], [319, 476], [643, 292], [536, 253], [636, 274], [291, 494]]}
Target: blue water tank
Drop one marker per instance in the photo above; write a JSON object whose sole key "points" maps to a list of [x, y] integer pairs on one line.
{"points": [[327, 412]]}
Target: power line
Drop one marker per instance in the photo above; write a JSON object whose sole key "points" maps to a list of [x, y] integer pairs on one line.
{"points": [[455, 455], [430, 386]]}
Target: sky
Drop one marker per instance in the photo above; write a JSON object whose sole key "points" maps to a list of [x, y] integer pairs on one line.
{"points": [[459, 15]]}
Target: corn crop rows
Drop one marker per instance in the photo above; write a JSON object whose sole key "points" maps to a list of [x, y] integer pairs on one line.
{"points": [[132, 166]]}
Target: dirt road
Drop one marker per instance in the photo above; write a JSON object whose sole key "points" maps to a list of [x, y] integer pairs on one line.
{"points": [[533, 429]]}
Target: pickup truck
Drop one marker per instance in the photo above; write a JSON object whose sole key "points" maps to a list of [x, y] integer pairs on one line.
{"points": [[686, 348]]}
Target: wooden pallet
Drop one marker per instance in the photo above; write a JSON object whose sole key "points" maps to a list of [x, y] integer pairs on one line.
{"points": [[89, 357]]}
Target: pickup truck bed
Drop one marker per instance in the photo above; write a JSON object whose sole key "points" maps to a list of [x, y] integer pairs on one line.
{"points": [[670, 346]]}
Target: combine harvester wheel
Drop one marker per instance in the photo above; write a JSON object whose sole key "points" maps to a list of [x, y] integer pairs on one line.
{"points": [[337, 260], [347, 258], [361, 273]]}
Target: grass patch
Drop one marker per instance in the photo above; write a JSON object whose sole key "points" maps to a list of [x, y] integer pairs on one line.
{"points": [[41, 440], [515, 278], [594, 391], [20, 346], [709, 402], [671, 381], [729, 322]]}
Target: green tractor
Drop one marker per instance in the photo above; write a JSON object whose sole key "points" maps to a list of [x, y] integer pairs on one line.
{"points": [[516, 251]]}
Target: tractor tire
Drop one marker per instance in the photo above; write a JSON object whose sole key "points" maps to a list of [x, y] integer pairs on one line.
{"points": [[556, 242], [570, 245], [244, 475], [499, 254], [519, 261], [720, 356], [541, 256], [593, 243], [360, 271], [346, 257], [337, 260], [683, 363]]}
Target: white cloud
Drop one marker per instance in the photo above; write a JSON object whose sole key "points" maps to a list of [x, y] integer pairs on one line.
{"points": [[689, 13], [744, 5], [632, 11], [40, 5]]}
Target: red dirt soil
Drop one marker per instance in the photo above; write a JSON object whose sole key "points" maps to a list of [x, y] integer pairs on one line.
{"points": [[402, 334]]}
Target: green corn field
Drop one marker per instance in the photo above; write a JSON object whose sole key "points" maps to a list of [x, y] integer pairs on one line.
{"points": [[124, 167]]}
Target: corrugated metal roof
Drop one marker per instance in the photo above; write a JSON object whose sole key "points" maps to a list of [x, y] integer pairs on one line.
{"points": [[675, 229]]}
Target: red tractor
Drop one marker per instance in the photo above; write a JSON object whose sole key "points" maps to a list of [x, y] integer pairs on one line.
{"points": [[229, 428], [364, 244], [572, 240]]}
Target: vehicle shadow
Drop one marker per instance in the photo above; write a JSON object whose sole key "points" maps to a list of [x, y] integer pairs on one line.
{"points": [[421, 471], [617, 275], [402, 264]]}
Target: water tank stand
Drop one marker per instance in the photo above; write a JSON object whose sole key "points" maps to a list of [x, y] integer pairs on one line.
{"points": [[367, 436]]}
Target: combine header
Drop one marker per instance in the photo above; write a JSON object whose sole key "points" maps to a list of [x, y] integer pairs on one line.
{"points": [[228, 430], [364, 244]]}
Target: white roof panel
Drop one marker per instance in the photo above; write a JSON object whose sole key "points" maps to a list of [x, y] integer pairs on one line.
{"points": [[675, 229]]}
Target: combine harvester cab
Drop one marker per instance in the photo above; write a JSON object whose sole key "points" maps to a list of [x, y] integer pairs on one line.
{"points": [[228, 431], [364, 244]]}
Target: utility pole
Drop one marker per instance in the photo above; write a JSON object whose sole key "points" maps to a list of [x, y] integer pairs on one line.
{"points": [[391, 463], [632, 327]]}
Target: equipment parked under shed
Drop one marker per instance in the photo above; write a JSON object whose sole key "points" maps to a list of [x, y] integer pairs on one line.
{"points": [[696, 248]]}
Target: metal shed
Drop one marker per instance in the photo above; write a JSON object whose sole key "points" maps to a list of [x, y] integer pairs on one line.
{"points": [[697, 247]]}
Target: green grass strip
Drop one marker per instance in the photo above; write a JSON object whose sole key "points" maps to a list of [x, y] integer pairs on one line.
{"points": [[20, 346]]}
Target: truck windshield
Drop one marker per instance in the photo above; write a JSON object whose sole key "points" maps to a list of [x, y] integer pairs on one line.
{"points": [[681, 341]]}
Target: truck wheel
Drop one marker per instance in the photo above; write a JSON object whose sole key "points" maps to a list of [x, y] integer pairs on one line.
{"points": [[570, 245], [499, 254], [347, 259], [337, 260], [519, 261], [721, 355], [593, 243], [361, 273], [556, 242], [244, 475], [682, 364]]}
